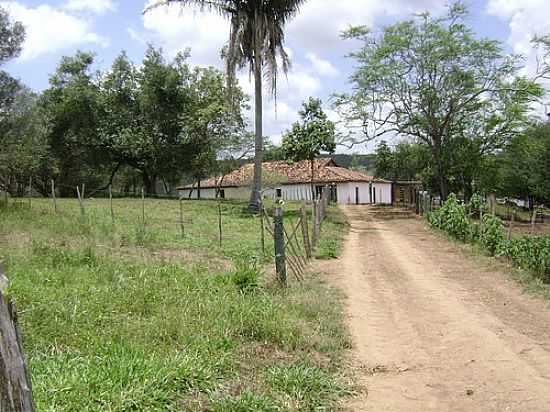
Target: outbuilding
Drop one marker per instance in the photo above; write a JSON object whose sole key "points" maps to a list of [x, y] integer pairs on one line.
{"points": [[292, 181]]}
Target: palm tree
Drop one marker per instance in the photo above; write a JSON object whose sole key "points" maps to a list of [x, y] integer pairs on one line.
{"points": [[256, 41]]}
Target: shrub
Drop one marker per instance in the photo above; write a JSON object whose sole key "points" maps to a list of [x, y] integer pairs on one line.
{"points": [[491, 234], [527, 252], [530, 252], [476, 205], [451, 218]]}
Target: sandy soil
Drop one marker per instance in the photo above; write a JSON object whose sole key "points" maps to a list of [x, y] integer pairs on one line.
{"points": [[435, 329]]}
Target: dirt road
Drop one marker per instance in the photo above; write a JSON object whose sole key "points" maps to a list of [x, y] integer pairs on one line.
{"points": [[436, 329]]}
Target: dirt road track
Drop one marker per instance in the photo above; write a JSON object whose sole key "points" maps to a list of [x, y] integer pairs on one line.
{"points": [[435, 331]]}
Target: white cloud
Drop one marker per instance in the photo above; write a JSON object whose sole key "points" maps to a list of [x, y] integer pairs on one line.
{"points": [[94, 6], [49, 30], [321, 66], [311, 37], [526, 18], [176, 28], [318, 25]]}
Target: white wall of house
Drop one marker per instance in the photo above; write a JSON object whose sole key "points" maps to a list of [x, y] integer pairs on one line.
{"points": [[346, 193]]}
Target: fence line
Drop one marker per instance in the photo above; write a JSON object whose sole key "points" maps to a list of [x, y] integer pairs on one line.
{"points": [[288, 249], [298, 241]]}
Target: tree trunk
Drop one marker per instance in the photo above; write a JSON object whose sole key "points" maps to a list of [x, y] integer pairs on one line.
{"points": [[199, 188], [312, 164], [255, 197], [150, 183], [441, 178]]}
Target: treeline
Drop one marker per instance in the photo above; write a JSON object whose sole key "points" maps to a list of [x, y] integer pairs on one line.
{"points": [[521, 169], [139, 125], [461, 105]]}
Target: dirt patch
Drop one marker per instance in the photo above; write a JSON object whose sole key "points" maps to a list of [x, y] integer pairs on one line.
{"points": [[435, 329]]}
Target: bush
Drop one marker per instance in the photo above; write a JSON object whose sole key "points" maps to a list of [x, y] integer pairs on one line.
{"points": [[491, 234], [451, 218], [527, 252], [530, 252], [476, 205]]}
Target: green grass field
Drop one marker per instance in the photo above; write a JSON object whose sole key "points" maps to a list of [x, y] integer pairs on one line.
{"points": [[127, 317]]}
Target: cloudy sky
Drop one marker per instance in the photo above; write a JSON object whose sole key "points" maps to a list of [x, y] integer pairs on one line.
{"points": [[320, 68]]}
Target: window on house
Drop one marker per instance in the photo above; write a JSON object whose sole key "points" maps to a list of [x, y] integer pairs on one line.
{"points": [[279, 193]]}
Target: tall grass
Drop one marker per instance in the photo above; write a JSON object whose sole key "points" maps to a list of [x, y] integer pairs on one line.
{"points": [[124, 317]]}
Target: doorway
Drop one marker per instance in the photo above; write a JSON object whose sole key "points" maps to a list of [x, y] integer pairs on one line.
{"points": [[356, 195]]}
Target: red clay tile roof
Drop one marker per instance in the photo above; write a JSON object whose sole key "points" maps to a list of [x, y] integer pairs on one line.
{"points": [[325, 171]]}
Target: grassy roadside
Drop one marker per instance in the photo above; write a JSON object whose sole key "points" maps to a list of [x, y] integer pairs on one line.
{"points": [[119, 318]]}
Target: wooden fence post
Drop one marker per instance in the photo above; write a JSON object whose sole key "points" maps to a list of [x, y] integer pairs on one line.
{"points": [[111, 204], [262, 230], [15, 382], [80, 201], [182, 227], [30, 191], [492, 203], [511, 224], [305, 232], [143, 207], [279, 237], [53, 196], [315, 230], [220, 221]]}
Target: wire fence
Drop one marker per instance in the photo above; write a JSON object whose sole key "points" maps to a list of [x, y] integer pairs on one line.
{"points": [[293, 244], [111, 211]]}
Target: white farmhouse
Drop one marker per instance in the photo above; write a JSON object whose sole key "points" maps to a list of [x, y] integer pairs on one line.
{"points": [[291, 181]]}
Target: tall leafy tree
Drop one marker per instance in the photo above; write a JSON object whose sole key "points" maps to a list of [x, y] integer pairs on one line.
{"points": [[72, 106], [24, 151], [307, 139], [12, 35], [525, 165], [433, 80], [166, 120], [256, 41]]}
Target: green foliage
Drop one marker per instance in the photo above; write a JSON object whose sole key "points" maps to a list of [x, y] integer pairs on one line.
{"points": [[246, 275], [492, 235], [314, 135], [476, 206], [527, 252], [524, 166], [308, 384], [406, 161], [451, 218], [530, 252], [432, 79], [125, 324]]}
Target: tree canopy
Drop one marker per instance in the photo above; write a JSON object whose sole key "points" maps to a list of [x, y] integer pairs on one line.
{"points": [[256, 41], [311, 136], [431, 79]]}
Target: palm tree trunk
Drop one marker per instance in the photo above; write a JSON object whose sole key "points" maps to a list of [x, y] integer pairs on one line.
{"points": [[255, 197]]}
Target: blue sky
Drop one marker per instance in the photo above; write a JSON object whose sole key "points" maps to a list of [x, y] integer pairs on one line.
{"points": [[105, 27]]}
